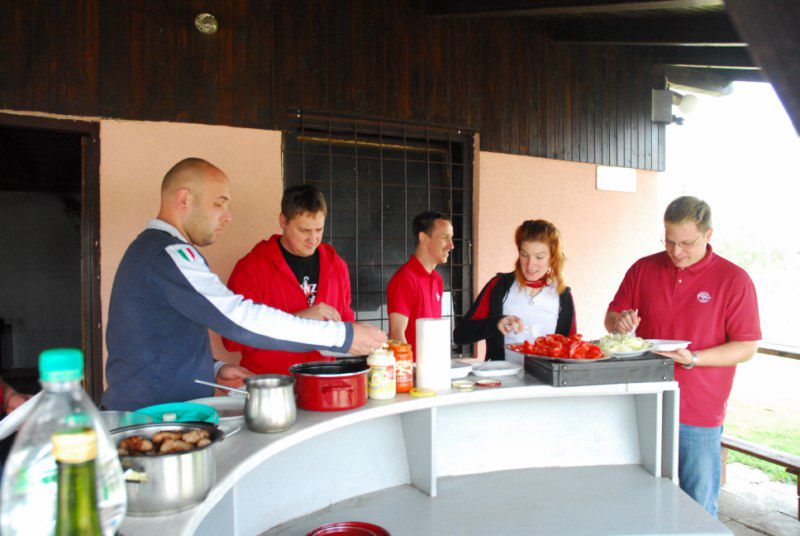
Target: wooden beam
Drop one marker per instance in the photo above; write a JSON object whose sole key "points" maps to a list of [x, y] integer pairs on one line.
{"points": [[704, 57], [515, 8], [706, 30], [706, 81], [741, 75], [772, 30]]}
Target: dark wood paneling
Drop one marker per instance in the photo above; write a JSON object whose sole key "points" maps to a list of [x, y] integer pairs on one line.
{"points": [[507, 77]]}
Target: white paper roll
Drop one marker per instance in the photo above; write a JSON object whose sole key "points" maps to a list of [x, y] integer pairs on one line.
{"points": [[433, 353]]}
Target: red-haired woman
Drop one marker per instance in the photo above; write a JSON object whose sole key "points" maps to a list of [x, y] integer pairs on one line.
{"points": [[531, 301]]}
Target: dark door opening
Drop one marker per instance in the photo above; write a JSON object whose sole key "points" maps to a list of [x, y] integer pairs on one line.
{"points": [[49, 271]]}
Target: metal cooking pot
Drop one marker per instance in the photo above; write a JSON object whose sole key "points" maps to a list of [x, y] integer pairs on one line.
{"points": [[330, 386], [270, 403], [167, 483]]}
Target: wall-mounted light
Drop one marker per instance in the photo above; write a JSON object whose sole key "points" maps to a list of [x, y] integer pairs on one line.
{"points": [[206, 23], [664, 99]]}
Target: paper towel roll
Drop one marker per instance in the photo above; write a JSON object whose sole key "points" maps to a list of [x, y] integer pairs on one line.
{"points": [[433, 353]]}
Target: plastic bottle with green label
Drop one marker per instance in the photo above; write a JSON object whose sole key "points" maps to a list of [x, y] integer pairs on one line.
{"points": [[30, 481]]}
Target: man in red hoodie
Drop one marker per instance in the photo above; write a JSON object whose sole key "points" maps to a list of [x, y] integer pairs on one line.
{"points": [[294, 272]]}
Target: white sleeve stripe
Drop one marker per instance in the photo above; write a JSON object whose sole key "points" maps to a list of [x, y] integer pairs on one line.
{"points": [[254, 317]]}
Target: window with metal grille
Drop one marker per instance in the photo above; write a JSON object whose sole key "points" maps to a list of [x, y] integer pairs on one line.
{"points": [[376, 176]]}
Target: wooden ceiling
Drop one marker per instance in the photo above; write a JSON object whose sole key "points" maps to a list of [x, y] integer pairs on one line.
{"points": [[684, 35]]}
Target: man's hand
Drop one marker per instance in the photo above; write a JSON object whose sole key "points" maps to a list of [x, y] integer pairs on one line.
{"points": [[320, 311], [682, 356], [625, 321], [232, 376], [510, 323], [366, 338]]}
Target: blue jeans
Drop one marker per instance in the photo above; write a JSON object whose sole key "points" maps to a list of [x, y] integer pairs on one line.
{"points": [[699, 464]]}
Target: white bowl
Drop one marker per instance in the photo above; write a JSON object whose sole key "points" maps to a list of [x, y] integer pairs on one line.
{"points": [[459, 370]]}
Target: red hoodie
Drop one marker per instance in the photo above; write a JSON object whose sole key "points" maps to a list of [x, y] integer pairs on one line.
{"points": [[264, 276]]}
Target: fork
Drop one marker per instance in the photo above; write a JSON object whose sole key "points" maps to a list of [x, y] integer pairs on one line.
{"points": [[632, 332]]}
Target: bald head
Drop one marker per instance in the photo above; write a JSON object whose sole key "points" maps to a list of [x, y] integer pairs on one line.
{"points": [[194, 199], [188, 173]]}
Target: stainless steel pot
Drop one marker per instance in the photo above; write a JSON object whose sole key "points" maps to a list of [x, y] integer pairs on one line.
{"points": [[167, 483], [270, 405]]}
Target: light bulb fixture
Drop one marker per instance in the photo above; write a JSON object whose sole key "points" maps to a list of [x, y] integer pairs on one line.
{"points": [[206, 23], [664, 99], [685, 103]]}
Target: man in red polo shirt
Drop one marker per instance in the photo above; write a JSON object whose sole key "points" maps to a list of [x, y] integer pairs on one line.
{"points": [[294, 272], [415, 290], [690, 293]]}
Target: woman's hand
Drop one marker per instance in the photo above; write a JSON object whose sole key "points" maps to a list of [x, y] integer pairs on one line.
{"points": [[510, 323]]}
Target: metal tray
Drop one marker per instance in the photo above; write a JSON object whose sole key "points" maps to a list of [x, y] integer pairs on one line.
{"points": [[648, 367]]}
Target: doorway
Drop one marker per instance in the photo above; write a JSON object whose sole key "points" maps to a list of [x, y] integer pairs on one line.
{"points": [[49, 265]]}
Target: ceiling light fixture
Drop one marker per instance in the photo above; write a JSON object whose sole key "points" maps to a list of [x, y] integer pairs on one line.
{"points": [[206, 23]]}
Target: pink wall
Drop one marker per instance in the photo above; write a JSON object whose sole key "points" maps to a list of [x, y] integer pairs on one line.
{"points": [[134, 158], [603, 232]]}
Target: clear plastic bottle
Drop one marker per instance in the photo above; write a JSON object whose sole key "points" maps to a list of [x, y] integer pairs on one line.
{"points": [[29, 487]]}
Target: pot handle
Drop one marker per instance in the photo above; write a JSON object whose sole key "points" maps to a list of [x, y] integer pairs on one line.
{"points": [[133, 473]]}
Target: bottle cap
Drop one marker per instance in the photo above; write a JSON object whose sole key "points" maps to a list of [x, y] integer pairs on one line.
{"points": [[489, 383], [61, 365], [422, 392], [463, 385]]}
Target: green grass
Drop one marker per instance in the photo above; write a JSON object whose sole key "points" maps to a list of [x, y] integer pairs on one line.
{"points": [[778, 429]]}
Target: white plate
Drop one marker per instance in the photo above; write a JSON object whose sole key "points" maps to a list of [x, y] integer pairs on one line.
{"points": [[666, 345], [230, 408], [459, 370], [492, 369], [632, 353]]}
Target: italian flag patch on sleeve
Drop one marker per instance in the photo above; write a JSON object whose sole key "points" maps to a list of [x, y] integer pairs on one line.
{"points": [[187, 254]]}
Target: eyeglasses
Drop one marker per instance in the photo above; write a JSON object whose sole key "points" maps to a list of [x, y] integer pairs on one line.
{"points": [[686, 244]]}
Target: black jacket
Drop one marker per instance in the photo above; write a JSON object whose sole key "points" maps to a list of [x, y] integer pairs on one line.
{"points": [[472, 329]]}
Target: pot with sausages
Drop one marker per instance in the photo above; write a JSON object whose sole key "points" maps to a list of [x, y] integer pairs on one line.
{"points": [[169, 467]]}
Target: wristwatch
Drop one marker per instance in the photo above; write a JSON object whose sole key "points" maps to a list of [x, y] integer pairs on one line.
{"points": [[693, 363]]}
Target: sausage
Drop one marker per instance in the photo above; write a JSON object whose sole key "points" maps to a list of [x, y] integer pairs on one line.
{"points": [[158, 437], [174, 445], [136, 444], [194, 436]]}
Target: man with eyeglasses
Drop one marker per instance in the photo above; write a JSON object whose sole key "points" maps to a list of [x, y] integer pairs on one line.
{"points": [[688, 292]]}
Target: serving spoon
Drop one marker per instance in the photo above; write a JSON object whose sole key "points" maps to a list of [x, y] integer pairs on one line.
{"points": [[220, 386]]}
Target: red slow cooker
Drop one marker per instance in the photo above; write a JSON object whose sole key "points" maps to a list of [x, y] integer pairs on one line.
{"points": [[330, 385]]}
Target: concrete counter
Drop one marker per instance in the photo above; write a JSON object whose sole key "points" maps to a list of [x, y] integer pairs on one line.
{"points": [[392, 461]]}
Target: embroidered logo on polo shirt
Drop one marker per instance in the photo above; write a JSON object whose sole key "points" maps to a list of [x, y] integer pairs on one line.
{"points": [[703, 297]]}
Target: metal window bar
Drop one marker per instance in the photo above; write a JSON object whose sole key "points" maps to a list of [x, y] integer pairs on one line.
{"points": [[384, 142]]}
